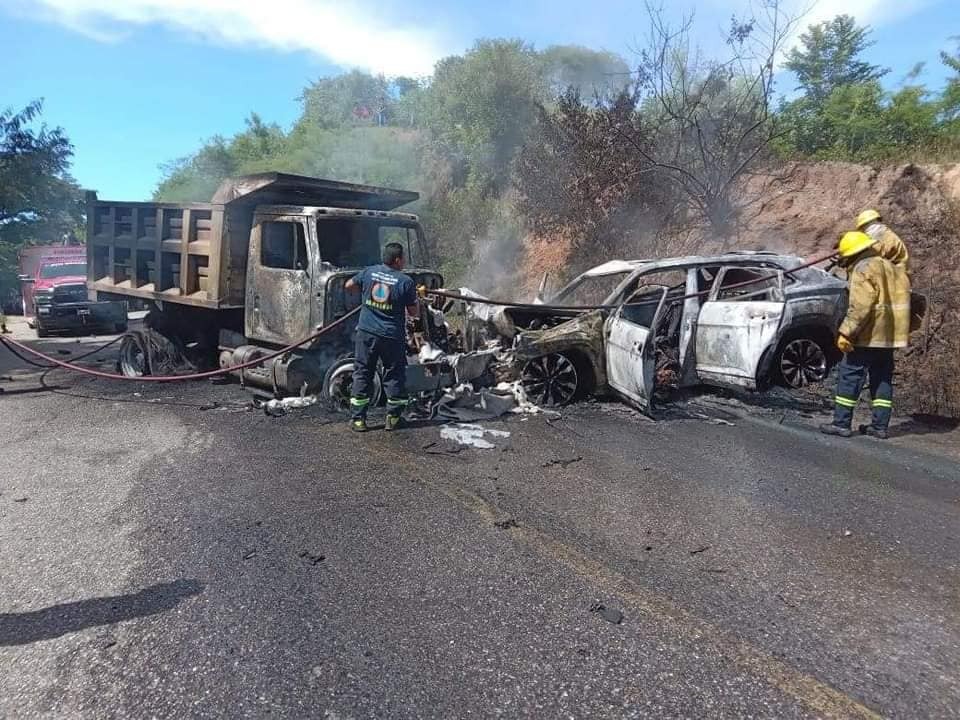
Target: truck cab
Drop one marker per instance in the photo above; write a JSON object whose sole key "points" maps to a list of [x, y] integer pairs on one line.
{"points": [[310, 253]]}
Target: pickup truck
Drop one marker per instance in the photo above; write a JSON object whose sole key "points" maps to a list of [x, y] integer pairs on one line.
{"points": [[258, 268], [53, 287]]}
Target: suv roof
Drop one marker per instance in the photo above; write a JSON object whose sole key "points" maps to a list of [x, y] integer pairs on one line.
{"points": [[614, 267]]}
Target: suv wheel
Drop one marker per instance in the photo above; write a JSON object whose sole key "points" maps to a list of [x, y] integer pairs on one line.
{"points": [[551, 380], [802, 361]]}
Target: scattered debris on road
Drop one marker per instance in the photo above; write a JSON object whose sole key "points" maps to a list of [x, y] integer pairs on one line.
{"points": [[699, 550], [563, 463], [280, 407], [313, 559], [611, 615], [433, 449], [471, 435]]}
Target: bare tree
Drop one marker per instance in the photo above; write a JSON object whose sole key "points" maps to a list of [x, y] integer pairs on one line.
{"points": [[706, 123]]}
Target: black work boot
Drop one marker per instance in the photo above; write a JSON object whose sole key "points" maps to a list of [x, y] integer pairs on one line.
{"points": [[874, 432], [838, 430]]}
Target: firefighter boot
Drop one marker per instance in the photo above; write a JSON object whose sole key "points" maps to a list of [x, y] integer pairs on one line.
{"points": [[838, 430], [874, 432]]}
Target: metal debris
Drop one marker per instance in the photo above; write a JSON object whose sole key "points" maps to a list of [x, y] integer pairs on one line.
{"points": [[563, 463], [313, 559], [611, 615]]}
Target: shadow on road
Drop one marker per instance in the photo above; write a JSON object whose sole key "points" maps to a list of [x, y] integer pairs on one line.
{"points": [[924, 425], [6, 392], [57, 620]]}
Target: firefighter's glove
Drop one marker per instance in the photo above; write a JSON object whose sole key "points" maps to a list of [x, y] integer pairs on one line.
{"points": [[844, 345], [422, 291]]}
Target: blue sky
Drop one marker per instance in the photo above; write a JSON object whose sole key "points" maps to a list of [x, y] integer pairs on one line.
{"points": [[138, 83]]}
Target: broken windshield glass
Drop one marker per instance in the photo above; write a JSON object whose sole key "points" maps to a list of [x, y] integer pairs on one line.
{"points": [[588, 290], [356, 243]]}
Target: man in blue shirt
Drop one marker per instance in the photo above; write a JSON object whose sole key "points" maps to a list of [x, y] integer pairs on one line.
{"points": [[386, 296]]}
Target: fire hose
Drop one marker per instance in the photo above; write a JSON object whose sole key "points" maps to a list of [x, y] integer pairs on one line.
{"points": [[174, 378], [13, 345]]}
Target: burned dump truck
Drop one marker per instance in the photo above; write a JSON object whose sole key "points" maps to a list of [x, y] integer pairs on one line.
{"points": [[742, 319], [259, 268]]}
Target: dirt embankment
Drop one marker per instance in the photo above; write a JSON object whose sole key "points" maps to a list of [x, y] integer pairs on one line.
{"points": [[922, 204], [805, 214]]}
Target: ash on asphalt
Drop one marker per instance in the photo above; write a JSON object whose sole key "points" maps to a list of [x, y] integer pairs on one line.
{"points": [[361, 575]]}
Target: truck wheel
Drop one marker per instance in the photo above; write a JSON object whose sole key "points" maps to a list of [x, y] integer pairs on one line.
{"points": [[337, 383], [134, 358]]}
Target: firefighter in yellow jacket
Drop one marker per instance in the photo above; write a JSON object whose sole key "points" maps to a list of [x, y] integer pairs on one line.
{"points": [[877, 322], [889, 244]]}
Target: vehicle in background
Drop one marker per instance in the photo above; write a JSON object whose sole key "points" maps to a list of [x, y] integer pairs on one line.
{"points": [[260, 267], [54, 292], [13, 302], [743, 319]]}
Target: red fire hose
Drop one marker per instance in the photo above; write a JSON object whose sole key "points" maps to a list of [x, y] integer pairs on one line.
{"points": [[256, 361], [175, 378]]}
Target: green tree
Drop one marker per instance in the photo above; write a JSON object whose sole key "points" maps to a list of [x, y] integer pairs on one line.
{"points": [[950, 100], [829, 57], [354, 98], [39, 201], [481, 106], [844, 112]]}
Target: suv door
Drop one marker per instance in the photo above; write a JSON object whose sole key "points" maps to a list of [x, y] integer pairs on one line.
{"points": [[630, 351], [279, 291], [737, 324]]}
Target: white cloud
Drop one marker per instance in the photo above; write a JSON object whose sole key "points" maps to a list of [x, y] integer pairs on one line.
{"points": [[345, 32], [867, 12]]}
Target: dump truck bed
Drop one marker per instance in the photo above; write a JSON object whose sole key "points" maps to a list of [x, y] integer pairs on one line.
{"points": [[196, 253]]}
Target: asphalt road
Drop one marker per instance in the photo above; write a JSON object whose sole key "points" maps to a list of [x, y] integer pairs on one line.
{"points": [[176, 553]]}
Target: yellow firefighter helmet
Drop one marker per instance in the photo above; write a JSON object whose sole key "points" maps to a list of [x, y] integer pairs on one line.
{"points": [[867, 217], [853, 243]]}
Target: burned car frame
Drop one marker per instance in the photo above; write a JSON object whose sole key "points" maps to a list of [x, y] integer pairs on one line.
{"points": [[738, 319]]}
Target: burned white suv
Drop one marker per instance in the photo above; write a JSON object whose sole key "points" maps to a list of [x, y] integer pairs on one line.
{"points": [[745, 319]]}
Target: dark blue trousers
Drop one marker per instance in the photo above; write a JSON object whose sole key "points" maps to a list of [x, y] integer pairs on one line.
{"points": [[369, 349], [853, 371]]}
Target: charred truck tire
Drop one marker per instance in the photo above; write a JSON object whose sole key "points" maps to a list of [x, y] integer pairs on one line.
{"points": [[337, 384], [134, 356], [804, 357]]}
